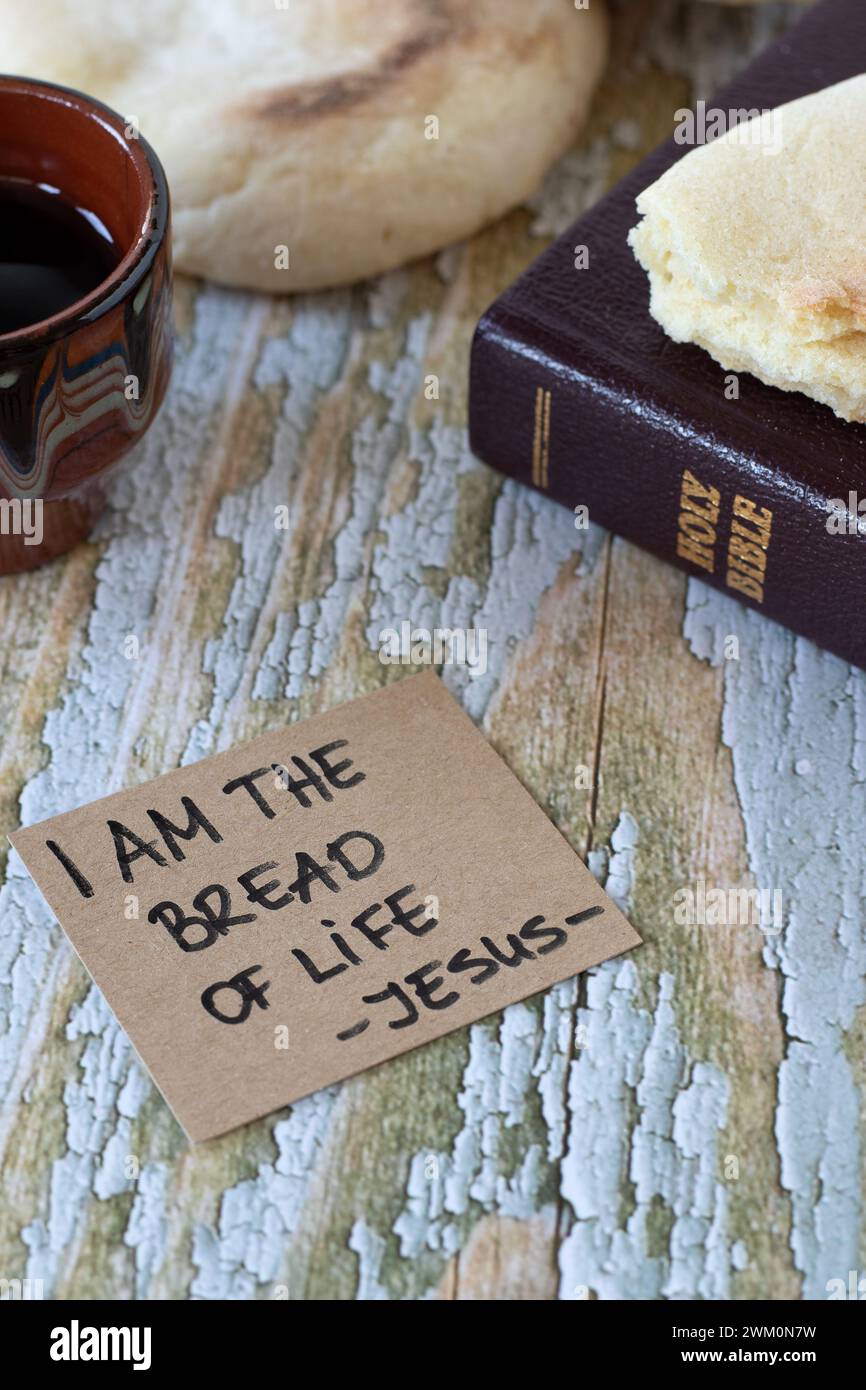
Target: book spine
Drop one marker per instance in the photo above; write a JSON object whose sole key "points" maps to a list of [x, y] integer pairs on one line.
{"points": [[720, 516]]}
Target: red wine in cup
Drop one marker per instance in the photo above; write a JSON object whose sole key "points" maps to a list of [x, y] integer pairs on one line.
{"points": [[51, 253]]}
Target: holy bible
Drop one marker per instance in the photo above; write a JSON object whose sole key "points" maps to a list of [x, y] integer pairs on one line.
{"points": [[577, 391]]}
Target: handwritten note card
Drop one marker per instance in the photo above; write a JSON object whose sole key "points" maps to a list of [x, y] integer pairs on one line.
{"points": [[287, 913]]}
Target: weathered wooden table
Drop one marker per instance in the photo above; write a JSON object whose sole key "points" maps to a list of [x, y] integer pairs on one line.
{"points": [[684, 1122]]}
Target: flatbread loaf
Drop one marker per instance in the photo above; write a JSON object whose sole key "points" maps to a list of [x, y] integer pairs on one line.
{"points": [[755, 245], [357, 134]]}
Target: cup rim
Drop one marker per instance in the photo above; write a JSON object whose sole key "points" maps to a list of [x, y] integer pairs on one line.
{"points": [[135, 265]]}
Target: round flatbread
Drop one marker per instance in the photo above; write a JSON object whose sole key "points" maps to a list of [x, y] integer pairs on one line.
{"points": [[316, 142]]}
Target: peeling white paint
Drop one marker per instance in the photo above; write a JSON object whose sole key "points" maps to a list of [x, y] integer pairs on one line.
{"points": [[504, 1070], [257, 1216], [551, 1064], [639, 1115], [375, 446], [307, 361], [95, 1129], [530, 539], [370, 1249], [789, 706], [88, 737], [622, 867], [147, 1227]]}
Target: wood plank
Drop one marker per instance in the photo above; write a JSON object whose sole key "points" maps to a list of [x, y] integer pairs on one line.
{"points": [[686, 1123]]}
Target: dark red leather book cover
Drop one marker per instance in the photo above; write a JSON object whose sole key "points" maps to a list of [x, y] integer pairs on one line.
{"points": [[575, 390]]}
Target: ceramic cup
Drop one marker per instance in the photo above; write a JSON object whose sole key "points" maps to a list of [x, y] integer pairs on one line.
{"points": [[79, 389]]}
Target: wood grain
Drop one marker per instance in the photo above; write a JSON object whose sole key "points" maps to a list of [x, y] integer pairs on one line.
{"points": [[687, 1122]]}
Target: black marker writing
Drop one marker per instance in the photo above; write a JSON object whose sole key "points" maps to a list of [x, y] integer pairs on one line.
{"points": [[84, 886], [309, 870], [214, 921], [248, 782], [319, 779], [129, 846], [483, 962], [425, 992], [374, 933], [337, 854], [127, 857], [242, 985], [393, 991], [196, 821], [354, 1031], [584, 916]]}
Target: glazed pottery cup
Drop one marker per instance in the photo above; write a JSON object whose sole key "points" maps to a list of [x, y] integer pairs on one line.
{"points": [[79, 389]]}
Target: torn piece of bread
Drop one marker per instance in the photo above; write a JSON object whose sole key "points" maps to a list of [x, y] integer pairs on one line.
{"points": [[755, 245]]}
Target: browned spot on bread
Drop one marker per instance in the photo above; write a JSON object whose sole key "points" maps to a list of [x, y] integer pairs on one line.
{"points": [[434, 24]]}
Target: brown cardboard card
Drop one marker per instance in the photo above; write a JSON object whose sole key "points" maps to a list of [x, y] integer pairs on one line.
{"points": [[284, 914]]}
